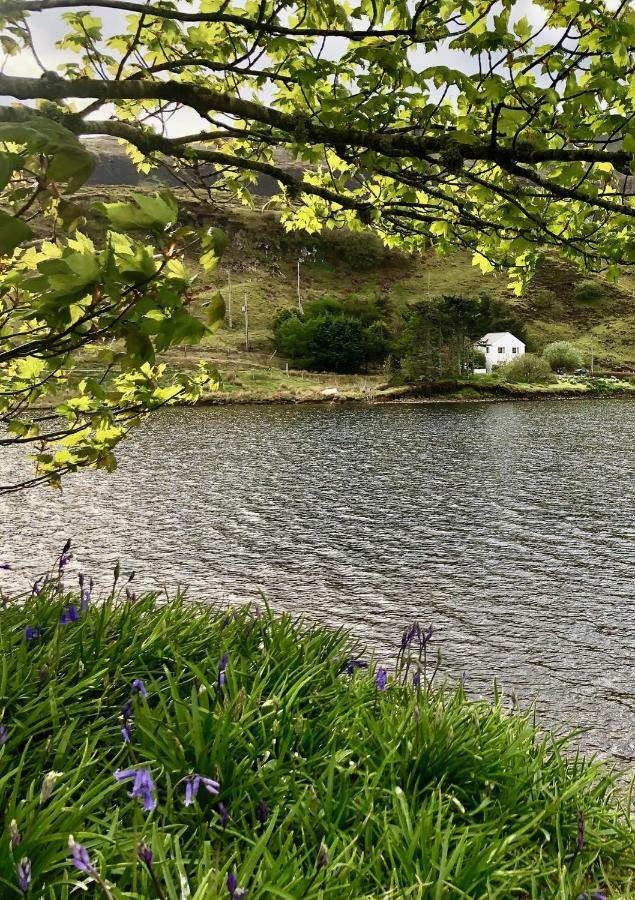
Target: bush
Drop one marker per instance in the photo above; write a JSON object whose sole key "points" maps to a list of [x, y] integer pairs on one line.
{"points": [[328, 787], [527, 369], [562, 355], [588, 291], [333, 335]]}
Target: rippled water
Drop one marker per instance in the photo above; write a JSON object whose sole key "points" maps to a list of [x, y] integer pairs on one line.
{"points": [[510, 527]]}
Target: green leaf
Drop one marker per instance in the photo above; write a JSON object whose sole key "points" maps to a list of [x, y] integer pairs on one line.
{"points": [[13, 232], [9, 162], [215, 311], [143, 212], [73, 164]]}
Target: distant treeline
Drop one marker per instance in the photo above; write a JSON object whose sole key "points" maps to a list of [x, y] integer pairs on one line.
{"points": [[428, 340]]}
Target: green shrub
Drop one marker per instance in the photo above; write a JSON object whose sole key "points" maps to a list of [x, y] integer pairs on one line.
{"points": [[328, 787], [561, 355], [334, 335], [588, 291], [527, 369]]}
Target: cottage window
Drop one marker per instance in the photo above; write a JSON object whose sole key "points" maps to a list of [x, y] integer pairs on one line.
{"points": [[514, 349], [501, 349]]}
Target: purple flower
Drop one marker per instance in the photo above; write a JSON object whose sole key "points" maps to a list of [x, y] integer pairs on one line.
{"points": [[24, 874], [73, 615], [193, 783], [381, 678], [64, 620], [138, 687], [142, 787], [409, 634], [416, 679], [4, 735], [232, 883], [126, 729], [32, 634], [85, 599], [354, 664], [262, 812], [145, 854], [224, 814], [80, 857], [221, 669], [64, 559], [596, 895], [15, 838]]}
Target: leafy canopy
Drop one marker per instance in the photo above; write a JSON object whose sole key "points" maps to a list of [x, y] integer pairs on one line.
{"points": [[447, 123]]}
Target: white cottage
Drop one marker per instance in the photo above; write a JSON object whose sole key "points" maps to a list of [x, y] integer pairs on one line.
{"points": [[499, 347]]}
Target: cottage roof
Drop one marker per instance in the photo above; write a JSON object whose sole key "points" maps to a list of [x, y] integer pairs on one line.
{"points": [[493, 336]]}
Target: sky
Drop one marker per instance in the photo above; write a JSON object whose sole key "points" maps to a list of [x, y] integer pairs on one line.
{"points": [[48, 27]]}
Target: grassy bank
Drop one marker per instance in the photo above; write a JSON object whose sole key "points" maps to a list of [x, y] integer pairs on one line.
{"points": [[328, 785]]}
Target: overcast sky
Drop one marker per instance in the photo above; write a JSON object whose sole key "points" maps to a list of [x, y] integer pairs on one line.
{"points": [[48, 27]]}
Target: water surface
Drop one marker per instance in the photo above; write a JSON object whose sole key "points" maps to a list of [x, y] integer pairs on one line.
{"points": [[510, 527]]}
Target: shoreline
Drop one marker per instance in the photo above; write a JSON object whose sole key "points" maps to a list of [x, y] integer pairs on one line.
{"points": [[408, 396]]}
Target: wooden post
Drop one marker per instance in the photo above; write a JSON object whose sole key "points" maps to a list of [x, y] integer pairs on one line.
{"points": [[246, 314], [299, 295], [229, 299]]}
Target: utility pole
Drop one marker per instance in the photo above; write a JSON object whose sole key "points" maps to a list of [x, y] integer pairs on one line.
{"points": [[246, 314], [299, 295], [229, 299]]}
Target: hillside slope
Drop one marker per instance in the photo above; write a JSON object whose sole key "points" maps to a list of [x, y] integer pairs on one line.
{"points": [[262, 260]]}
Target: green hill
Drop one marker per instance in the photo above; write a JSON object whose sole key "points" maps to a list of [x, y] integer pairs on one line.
{"points": [[262, 260]]}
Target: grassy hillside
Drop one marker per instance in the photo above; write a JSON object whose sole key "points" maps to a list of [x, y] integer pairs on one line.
{"points": [[262, 260]]}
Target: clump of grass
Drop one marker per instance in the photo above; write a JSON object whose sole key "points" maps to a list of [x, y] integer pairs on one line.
{"points": [[265, 757]]}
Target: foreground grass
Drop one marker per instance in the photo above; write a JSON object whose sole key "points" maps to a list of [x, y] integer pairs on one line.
{"points": [[329, 787]]}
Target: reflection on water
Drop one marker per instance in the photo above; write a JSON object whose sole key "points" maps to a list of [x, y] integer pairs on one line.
{"points": [[509, 526]]}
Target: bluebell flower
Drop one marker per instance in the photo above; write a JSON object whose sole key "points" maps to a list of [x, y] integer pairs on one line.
{"points": [[126, 729], [138, 687], [142, 788], [64, 620], [15, 838], [31, 633], [64, 559], [416, 679], [381, 679], [37, 587], [4, 735], [85, 599], [579, 841], [24, 874], [223, 813], [193, 783], [262, 812], [80, 857], [222, 666], [232, 883], [145, 854], [596, 895], [354, 664], [73, 615]]}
